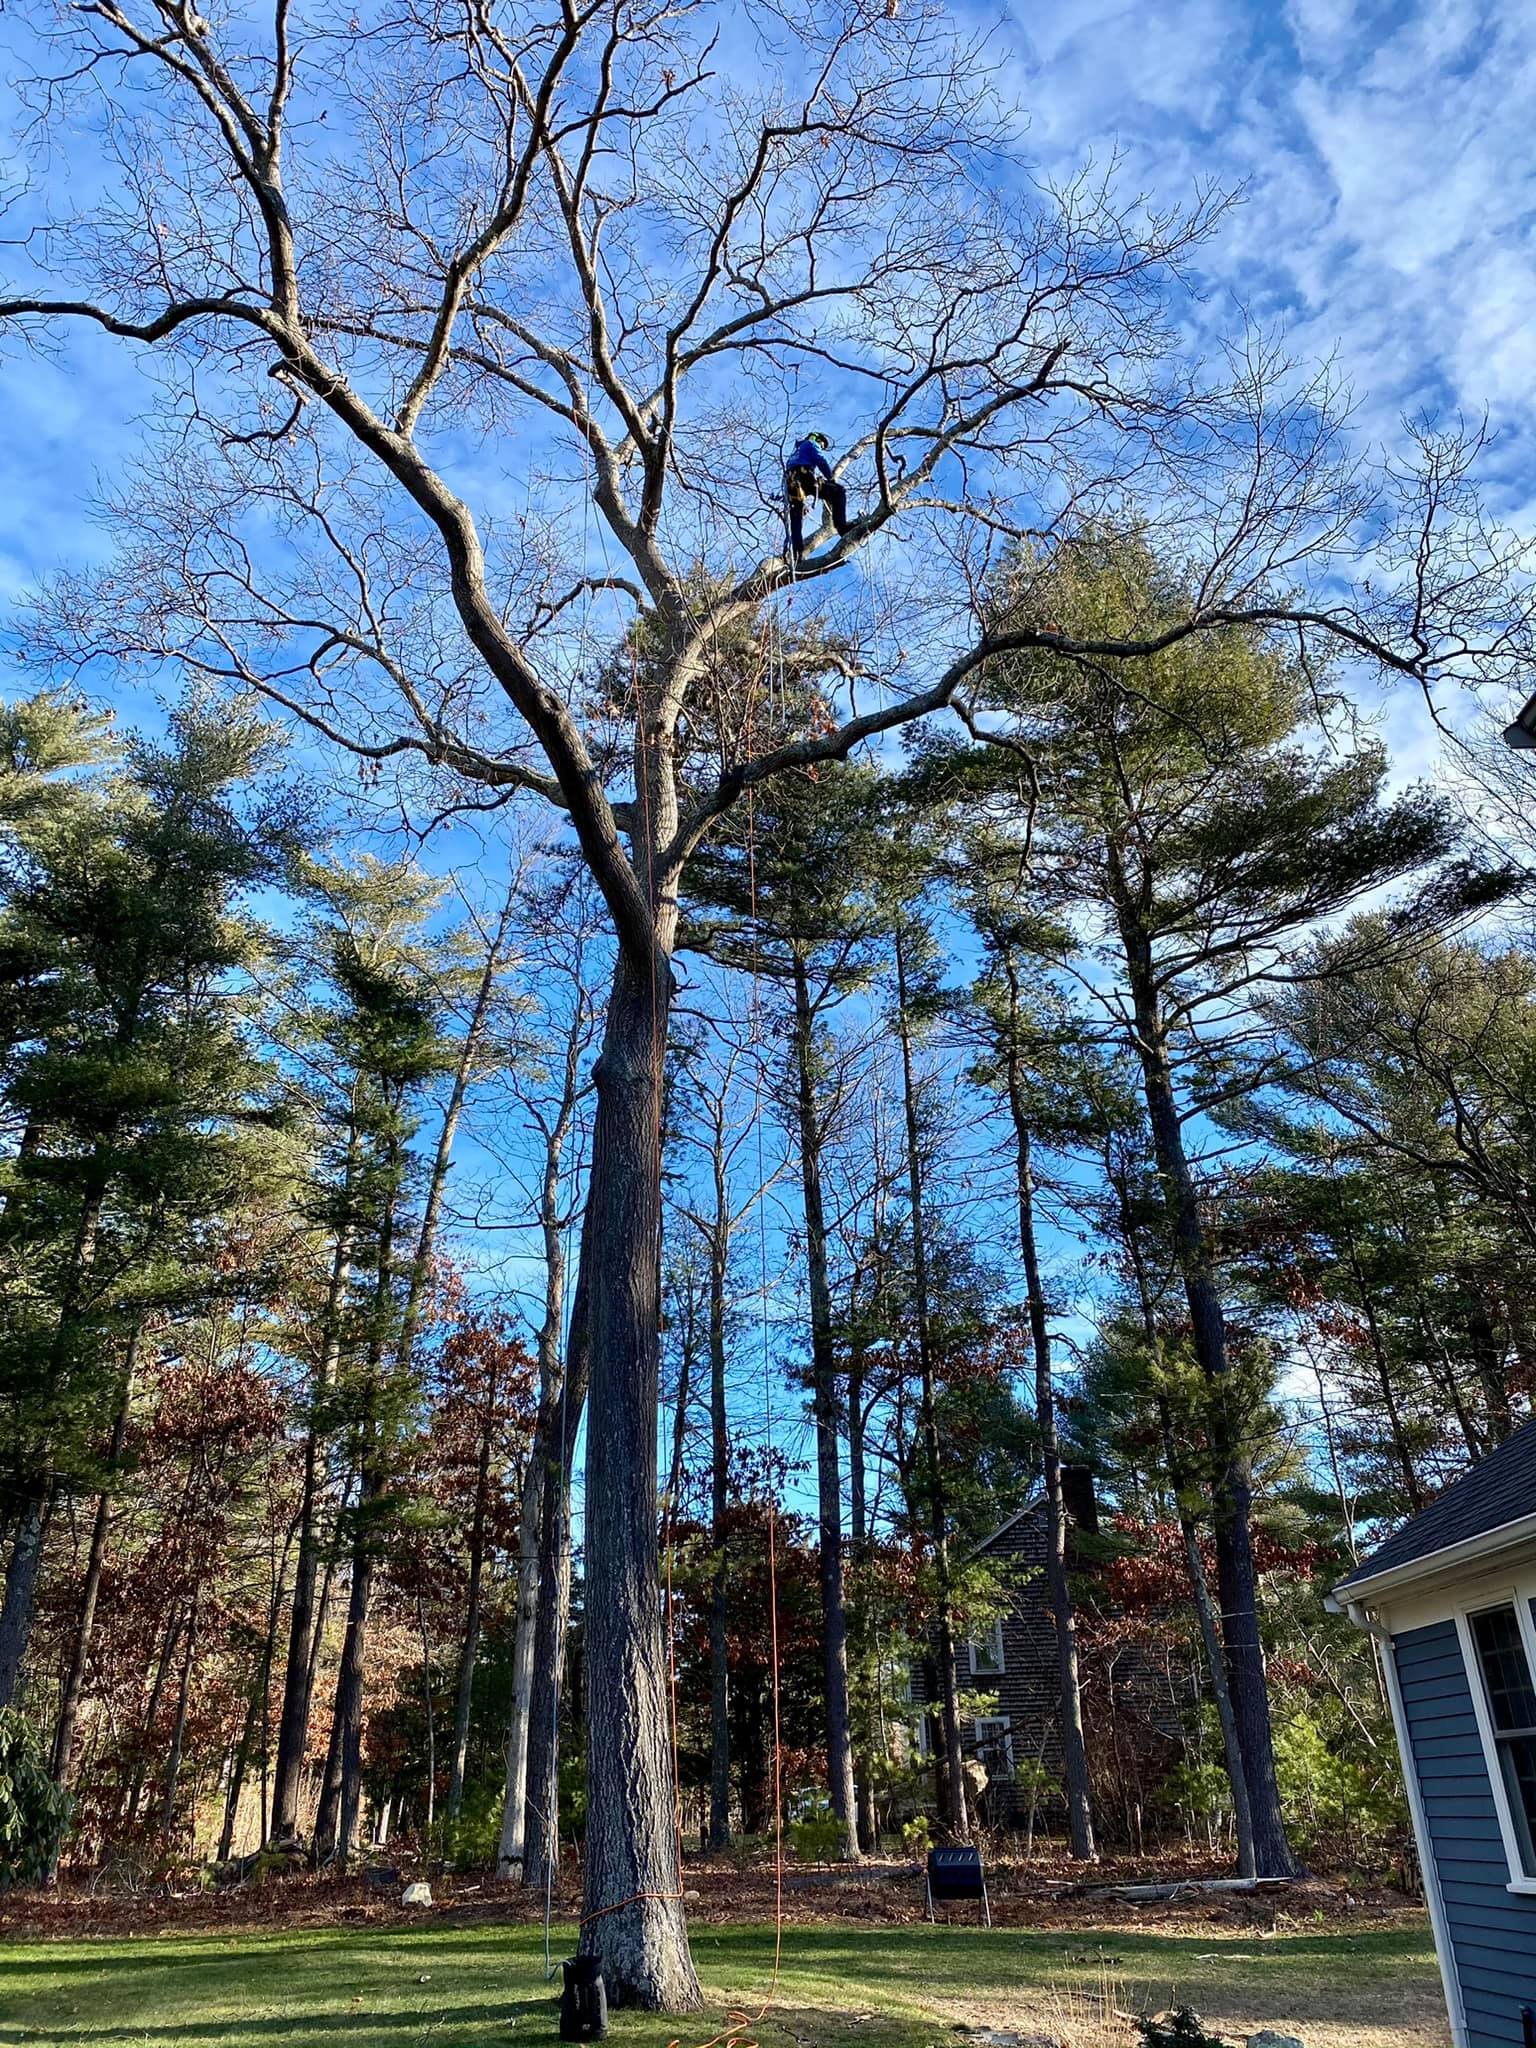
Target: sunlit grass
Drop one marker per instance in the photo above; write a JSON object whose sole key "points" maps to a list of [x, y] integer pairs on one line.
{"points": [[468, 1987]]}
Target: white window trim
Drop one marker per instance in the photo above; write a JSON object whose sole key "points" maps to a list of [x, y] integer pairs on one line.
{"points": [[995, 1642], [999, 1731], [1445, 1953], [1519, 1595]]}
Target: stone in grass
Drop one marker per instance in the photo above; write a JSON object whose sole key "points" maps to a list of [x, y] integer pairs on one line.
{"points": [[997, 2037], [417, 1894], [1270, 2039]]}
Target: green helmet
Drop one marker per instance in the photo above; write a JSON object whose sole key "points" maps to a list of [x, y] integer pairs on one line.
{"points": [[819, 438]]}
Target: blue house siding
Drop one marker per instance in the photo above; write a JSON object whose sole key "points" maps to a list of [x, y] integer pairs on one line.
{"points": [[1492, 1930]]}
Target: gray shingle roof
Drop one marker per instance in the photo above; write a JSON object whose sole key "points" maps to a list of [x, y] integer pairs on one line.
{"points": [[1500, 1489]]}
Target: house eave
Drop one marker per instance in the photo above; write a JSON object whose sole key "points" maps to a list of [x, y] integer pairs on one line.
{"points": [[1373, 1586]]}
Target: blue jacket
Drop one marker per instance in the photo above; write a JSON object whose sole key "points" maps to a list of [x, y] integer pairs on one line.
{"points": [[808, 456]]}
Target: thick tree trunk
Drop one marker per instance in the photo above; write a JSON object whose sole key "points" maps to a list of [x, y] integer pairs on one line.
{"points": [[952, 1799], [21, 1588], [328, 1806], [829, 1502], [634, 1922], [328, 1775], [1069, 1705], [80, 1649], [1237, 1578]]}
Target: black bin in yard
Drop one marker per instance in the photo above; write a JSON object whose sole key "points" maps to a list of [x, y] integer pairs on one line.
{"points": [[957, 1874]]}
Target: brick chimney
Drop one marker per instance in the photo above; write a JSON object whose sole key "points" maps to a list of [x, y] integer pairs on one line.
{"points": [[1078, 1498]]}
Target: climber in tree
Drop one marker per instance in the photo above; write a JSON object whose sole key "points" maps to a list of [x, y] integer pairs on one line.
{"points": [[807, 476]]}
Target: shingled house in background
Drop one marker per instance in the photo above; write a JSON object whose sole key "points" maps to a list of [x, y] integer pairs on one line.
{"points": [[1135, 1702], [1451, 1600]]}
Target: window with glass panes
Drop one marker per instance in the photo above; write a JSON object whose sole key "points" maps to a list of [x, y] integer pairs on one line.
{"points": [[1510, 1690], [987, 1653]]}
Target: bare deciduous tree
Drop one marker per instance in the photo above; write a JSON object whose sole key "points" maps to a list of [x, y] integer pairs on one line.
{"points": [[478, 327]]}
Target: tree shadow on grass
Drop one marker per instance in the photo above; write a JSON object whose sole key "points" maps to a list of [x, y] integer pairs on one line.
{"points": [[303, 2026]]}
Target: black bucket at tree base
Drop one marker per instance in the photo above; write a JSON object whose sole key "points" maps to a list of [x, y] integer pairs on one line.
{"points": [[584, 2001]]}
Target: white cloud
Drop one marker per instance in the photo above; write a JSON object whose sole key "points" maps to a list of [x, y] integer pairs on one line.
{"points": [[1391, 188]]}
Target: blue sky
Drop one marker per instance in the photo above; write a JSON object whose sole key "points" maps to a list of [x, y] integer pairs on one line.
{"points": [[1389, 216], [1385, 155]]}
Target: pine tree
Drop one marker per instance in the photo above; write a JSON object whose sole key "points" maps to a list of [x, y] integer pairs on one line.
{"points": [[1200, 840], [145, 1113]]}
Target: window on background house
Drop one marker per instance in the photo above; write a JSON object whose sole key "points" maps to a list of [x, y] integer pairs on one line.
{"points": [[987, 1653], [994, 1745], [1510, 1692]]}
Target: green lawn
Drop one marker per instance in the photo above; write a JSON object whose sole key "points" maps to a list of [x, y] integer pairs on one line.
{"points": [[468, 1987]]}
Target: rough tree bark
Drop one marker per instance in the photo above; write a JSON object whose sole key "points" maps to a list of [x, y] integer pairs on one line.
{"points": [[21, 1587], [858, 1533], [1237, 1577], [632, 1873]]}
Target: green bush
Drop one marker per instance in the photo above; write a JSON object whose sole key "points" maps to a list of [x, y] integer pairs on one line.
{"points": [[917, 1835], [34, 1813], [1199, 1794], [469, 1840], [1331, 1798], [817, 1837]]}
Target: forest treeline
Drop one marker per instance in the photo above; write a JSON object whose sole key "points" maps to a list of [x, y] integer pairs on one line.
{"points": [[1132, 1077]]}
